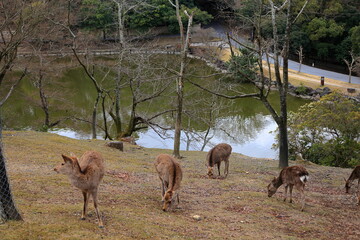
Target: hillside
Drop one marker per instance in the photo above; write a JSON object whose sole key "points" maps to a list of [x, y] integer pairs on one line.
{"points": [[130, 202]]}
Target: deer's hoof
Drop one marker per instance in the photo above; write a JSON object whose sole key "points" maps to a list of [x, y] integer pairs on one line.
{"points": [[82, 218]]}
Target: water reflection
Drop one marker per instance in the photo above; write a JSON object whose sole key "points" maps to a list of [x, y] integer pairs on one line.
{"points": [[243, 123], [67, 132], [241, 137]]}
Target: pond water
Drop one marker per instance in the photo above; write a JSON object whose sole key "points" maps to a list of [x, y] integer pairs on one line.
{"points": [[243, 123]]}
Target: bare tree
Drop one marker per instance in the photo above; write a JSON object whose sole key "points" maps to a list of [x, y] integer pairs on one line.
{"points": [[130, 66], [352, 63], [262, 47], [123, 8], [42, 71], [301, 57], [184, 41]]}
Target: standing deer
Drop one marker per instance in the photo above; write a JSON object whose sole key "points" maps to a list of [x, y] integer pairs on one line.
{"points": [[86, 174], [220, 152], [170, 175], [353, 176], [290, 176]]}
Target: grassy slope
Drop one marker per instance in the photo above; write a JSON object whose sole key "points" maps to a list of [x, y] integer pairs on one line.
{"points": [[129, 197]]}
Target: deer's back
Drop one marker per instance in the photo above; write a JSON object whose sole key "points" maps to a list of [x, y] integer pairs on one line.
{"points": [[292, 174], [355, 174], [169, 170], [220, 152], [92, 164], [357, 171]]}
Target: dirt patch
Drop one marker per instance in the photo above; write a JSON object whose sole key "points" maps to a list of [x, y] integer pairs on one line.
{"points": [[240, 209], [121, 175]]}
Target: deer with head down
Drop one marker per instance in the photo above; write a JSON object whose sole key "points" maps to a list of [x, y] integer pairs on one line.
{"points": [[290, 176], [355, 174], [170, 175], [86, 174], [216, 155]]}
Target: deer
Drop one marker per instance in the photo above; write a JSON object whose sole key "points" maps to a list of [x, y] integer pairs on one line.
{"points": [[170, 174], [290, 176], [86, 174], [216, 155], [355, 174]]}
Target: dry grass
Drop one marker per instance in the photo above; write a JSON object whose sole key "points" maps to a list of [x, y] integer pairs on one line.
{"points": [[129, 197]]}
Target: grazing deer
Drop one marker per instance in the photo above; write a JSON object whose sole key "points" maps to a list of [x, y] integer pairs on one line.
{"points": [[220, 152], [290, 176], [86, 174], [353, 176], [170, 174]]}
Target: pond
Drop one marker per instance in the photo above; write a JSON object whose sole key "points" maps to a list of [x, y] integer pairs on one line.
{"points": [[243, 123]]}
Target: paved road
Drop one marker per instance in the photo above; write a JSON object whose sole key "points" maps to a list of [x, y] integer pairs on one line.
{"points": [[221, 32]]}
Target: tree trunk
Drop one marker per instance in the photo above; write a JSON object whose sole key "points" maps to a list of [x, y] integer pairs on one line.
{"points": [[8, 210], [107, 135], [283, 131], [117, 118], [180, 79], [121, 27], [349, 75], [179, 104], [132, 121], [44, 102], [283, 146], [94, 113]]}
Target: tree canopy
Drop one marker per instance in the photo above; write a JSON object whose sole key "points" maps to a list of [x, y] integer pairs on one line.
{"points": [[327, 131]]}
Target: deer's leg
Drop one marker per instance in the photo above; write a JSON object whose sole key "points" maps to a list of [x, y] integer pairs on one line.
{"points": [[291, 188], [86, 201], [162, 190], [94, 195], [218, 166], [226, 168], [286, 189]]}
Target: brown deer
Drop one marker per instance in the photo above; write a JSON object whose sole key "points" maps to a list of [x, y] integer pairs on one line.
{"points": [[220, 152], [86, 174], [170, 174], [355, 174], [290, 176]]}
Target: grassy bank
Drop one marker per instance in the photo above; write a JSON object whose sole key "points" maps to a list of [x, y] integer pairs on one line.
{"points": [[130, 202]]}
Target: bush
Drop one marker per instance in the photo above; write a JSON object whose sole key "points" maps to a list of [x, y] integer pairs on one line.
{"points": [[327, 132], [334, 153]]}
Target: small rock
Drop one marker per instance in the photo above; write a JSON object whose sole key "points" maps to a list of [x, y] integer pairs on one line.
{"points": [[197, 217], [116, 144]]}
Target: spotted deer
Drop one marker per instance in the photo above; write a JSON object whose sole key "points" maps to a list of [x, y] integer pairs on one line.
{"points": [[86, 174], [355, 174], [216, 155], [170, 175], [290, 176]]}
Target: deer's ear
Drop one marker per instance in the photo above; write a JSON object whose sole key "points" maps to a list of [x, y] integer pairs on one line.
{"points": [[345, 179], [66, 158]]}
